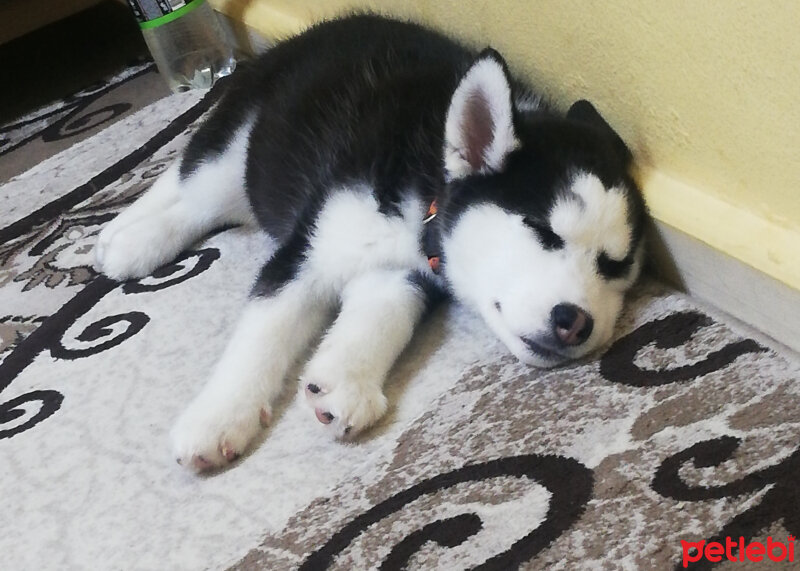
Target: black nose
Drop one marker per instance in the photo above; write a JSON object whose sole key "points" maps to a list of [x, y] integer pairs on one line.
{"points": [[571, 324]]}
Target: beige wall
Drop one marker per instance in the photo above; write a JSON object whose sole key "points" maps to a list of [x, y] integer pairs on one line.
{"points": [[707, 92]]}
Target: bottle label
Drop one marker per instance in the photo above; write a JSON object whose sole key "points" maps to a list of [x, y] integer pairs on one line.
{"points": [[154, 13]]}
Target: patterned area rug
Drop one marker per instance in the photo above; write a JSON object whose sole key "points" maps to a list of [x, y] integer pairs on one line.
{"points": [[685, 430]]}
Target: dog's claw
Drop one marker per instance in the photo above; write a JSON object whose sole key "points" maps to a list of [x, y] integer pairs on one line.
{"points": [[264, 417], [201, 463], [229, 453]]}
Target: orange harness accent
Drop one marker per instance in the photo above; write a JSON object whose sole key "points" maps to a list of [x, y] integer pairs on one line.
{"points": [[432, 211]]}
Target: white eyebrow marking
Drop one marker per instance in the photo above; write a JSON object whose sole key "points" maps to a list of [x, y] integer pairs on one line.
{"points": [[593, 217]]}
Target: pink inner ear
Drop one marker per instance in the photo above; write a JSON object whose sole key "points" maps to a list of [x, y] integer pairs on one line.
{"points": [[478, 129]]}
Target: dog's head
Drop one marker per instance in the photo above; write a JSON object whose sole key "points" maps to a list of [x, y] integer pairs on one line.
{"points": [[541, 223]]}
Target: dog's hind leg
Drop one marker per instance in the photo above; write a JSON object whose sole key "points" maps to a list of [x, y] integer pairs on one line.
{"points": [[180, 208], [343, 382]]}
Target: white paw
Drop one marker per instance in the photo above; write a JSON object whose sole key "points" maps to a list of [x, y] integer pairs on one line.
{"points": [[134, 250], [346, 405], [210, 434]]}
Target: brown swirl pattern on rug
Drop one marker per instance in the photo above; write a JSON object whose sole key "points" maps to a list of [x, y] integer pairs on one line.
{"points": [[682, 431]]}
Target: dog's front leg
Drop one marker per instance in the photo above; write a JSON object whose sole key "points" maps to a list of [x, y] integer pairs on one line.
{"points": [[343, 382], [272, 333]]}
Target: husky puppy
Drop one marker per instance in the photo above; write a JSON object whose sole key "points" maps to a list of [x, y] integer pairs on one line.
{"points": [[391, 166]]}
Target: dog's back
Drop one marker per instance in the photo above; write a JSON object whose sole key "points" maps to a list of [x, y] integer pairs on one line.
{"points": [[357, 100]]}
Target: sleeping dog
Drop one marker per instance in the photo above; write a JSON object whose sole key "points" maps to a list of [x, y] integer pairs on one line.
{"points": [[392, 167]]}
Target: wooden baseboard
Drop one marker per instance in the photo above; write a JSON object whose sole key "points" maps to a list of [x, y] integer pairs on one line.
{"points": [[725, 283], [272, 23], [767, 245], [245, 39]]}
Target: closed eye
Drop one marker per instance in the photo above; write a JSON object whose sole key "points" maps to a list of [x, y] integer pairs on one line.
{"points": [[613, 269], [547, 238]]}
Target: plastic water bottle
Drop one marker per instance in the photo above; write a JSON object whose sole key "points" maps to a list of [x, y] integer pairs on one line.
{"points": [[186, 41]]}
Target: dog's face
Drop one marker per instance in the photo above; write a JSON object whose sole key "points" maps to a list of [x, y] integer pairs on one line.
{"points": [[542, 224]]}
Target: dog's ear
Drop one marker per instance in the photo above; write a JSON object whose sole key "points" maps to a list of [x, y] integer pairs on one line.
{"points": [[479, 131], [585, 112]]}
